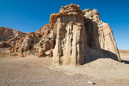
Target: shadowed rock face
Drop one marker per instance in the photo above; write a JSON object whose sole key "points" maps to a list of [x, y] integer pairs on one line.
{"points": [[99, 34]]}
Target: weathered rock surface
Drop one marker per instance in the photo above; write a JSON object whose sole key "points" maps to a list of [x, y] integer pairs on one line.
{"points": [[8, 33], [21, 53], [81, 36], [70, 36], [41, 53], [50, 53], [100, 35]]}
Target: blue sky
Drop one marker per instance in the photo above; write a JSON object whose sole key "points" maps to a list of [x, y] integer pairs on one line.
{"points": [[30, 15]]}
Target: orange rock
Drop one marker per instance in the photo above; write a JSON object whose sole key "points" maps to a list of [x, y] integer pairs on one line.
{"points": [[32, 34], [50, 53], [21, 55], [41, 53]]}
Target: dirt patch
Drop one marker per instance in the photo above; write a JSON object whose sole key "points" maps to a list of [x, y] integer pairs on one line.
{"points": [[103, 72]]}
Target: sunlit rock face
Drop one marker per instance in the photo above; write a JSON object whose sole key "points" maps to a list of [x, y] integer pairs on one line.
{"points": [[70, 36], [8, 33]]}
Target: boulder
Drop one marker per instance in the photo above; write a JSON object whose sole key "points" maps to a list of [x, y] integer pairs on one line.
{"points": [[21, 55], [41, 53], [50, 53]]}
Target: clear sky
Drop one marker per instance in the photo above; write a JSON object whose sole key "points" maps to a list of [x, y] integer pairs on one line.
{"points": [[31, 15]]}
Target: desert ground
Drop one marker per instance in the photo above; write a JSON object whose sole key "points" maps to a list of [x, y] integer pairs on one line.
{"points": [[33, 71]]}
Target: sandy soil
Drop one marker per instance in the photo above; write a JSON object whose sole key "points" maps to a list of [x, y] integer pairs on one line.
{"points": [[32, 71]]}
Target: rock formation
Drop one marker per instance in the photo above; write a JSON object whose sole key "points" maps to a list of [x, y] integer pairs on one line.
{"points": [[41, 53], [50, 53], [81, 36], [8, 33], [21, 53], [9, 37], [76, 37]]}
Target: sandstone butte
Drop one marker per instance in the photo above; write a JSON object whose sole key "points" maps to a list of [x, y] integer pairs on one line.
{"points": [[73, 37]]}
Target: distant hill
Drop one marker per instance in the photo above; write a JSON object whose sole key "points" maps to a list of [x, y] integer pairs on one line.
{"points": [[8, 33], [124, 52]]}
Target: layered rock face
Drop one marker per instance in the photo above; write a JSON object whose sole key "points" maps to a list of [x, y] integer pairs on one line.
{"points": [[8, 33], [70, 36], [9, 37], [81, 36], [35, 41], [99, 34]]}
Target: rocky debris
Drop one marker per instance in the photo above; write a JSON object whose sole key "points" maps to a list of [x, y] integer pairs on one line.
{"points": [[90, 82], [41, 53], [50, 53], [8, 33]]}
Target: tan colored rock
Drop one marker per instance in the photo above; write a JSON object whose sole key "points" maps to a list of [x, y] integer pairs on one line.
{"points": [[81, 39], [47, 42], [50, 53], [45, 27], [8, 33], [70, 49], [41, 53], [12, 50], [26, 44], [70, 36]]}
